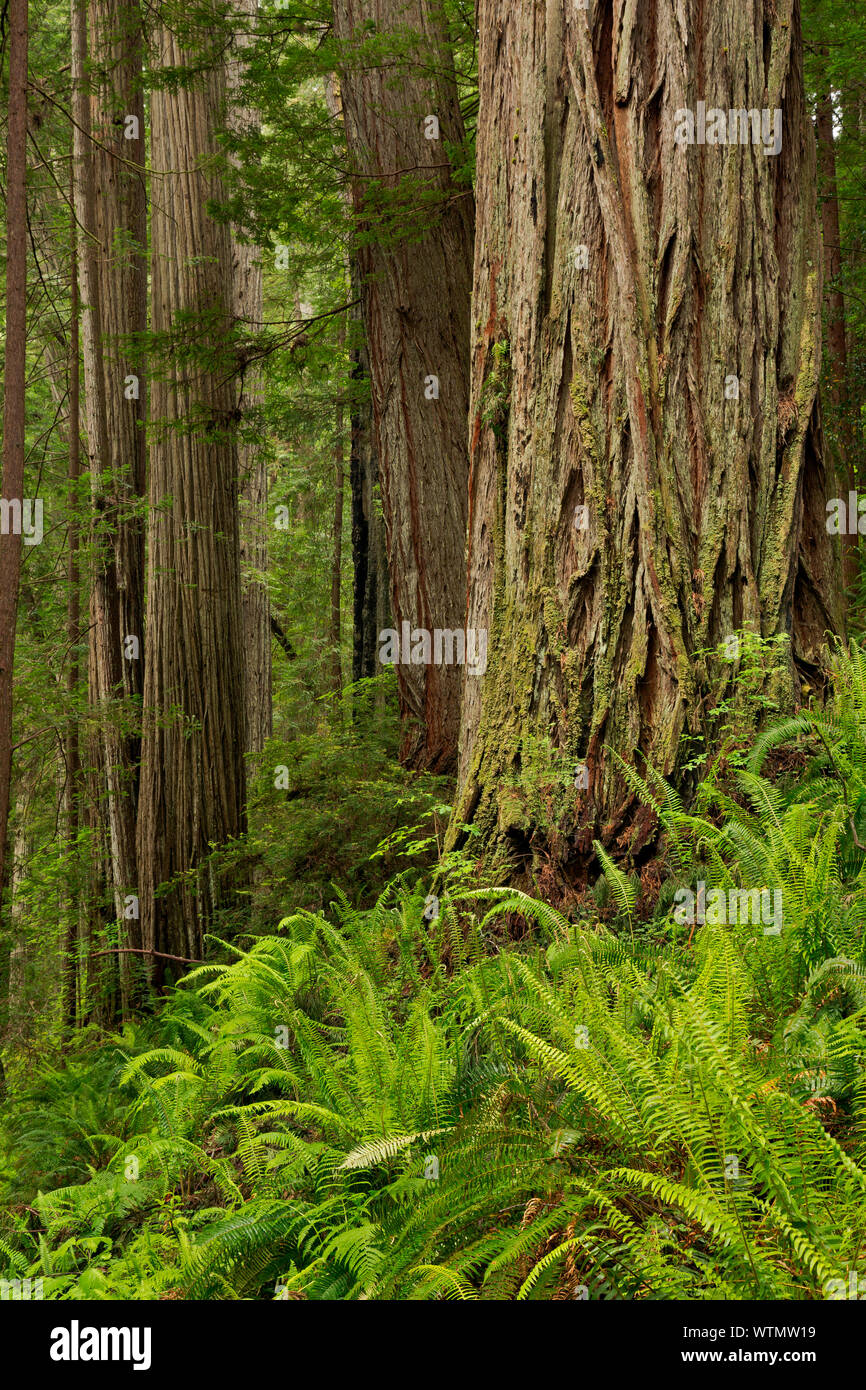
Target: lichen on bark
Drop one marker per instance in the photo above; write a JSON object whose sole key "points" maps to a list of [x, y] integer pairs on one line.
{"points": [[648, 385]]}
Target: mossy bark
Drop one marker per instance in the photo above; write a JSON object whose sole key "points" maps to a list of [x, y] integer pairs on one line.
{"points": [[635, 279]]}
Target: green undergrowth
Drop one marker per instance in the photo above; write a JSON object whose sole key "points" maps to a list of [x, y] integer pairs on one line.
{"points": [[460, 1092]]}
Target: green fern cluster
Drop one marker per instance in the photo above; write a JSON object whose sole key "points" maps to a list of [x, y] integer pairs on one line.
{"points": [[373, 1105]]}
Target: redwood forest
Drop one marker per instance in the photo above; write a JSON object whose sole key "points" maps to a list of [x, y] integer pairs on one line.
{"points": [[432, 659]]}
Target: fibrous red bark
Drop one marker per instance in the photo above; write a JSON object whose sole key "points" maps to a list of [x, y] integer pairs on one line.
{"points": [[192, 771], [646, 473], [416, 286]]}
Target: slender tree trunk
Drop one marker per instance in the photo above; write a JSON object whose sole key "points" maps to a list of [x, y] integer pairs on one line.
{"points": [[192, 774], [371, 607], [19, 995], [13, 385], [853, 133], [369, 556], [252, 464], [646, 475], [836, 361], [335, 623], [416, 300], [120, 196], [833, 297], [73, 638], [107, 200], [96, 972]]}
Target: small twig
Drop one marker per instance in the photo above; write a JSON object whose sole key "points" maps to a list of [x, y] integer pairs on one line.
{"points": [[50, 730], [855, 835], [142, 951]]}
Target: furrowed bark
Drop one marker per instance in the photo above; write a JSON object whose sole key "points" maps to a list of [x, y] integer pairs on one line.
{"points": [[622, 362], [416, 292], [192, 773]]}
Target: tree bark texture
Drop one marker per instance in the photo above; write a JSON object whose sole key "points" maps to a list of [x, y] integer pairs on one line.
{"points": [[192, 774], [416, 299], [646, 346]]}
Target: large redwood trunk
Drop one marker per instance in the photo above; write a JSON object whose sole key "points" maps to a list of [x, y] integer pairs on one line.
{"points": [[416, 303], [192, 771], [624, 362]]}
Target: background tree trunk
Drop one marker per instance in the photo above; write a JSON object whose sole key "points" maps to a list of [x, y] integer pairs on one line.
{"points": [[247, 307], [369, 554], [109, 204], [121, 228], [335, 621], [416, 302], [371, 606], [13, 385], [603, 379], [192, 774], [836, 361], [69, 1000]]}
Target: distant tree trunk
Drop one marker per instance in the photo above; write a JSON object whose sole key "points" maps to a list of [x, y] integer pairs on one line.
{"points": [[252, 466], [836, 363], [416, 299], [73, 638], [97, 973], [18, 996], [192, 773], [833, 296], [335, 623], [369, 554], [13, 385], [109, 204], [371, 607], [121, 226], [646, 346], [854, 130]]}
